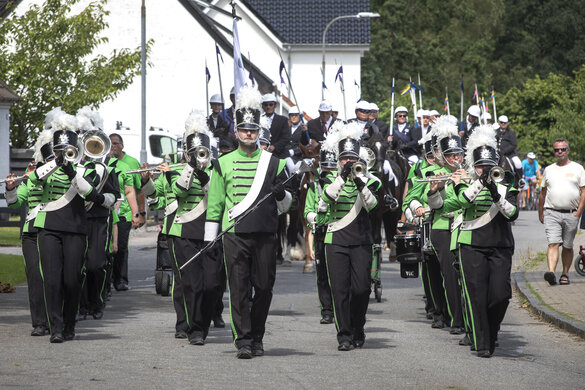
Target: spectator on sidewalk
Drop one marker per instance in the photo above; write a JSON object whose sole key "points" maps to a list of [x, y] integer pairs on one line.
{"points": [[562, 200]]}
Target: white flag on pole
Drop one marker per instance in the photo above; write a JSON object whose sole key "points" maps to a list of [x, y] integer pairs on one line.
{"points": [[239, 71]]}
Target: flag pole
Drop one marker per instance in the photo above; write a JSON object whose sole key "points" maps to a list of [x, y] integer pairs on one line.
{"points": [[206, 88], [413, 101], [494, 104], [291, 87], [219, 76], [343, 93], [391, 130], [419, 92], [447, 99], [462, 90]]}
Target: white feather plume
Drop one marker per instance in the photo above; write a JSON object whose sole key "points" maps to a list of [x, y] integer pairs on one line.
{"points": [[51, 115], [46, 136], [196, 123], [483, 135], [248, 97], [89, 119], [63, 121], [445, 128], [264, 122], [428, 136], [331, 140], [351, 130]]}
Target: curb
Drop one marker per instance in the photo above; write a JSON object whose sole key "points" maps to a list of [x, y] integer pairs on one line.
{"points": [[545, 313]]}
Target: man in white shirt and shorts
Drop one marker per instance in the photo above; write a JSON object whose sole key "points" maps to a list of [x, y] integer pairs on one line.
{"points": [[562, 200]]}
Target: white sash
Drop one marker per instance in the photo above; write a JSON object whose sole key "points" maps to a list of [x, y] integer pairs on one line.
{"points": [[347, 218], [66, 198], [485, 218], [257, 184], [32, 214], [171, 208], [193, 214]]}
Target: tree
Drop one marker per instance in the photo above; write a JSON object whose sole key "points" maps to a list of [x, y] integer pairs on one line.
{"points": [[46, 58], [543, 109]]}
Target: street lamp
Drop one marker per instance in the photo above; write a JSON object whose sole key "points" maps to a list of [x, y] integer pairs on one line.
{"points": [[357, 16]]}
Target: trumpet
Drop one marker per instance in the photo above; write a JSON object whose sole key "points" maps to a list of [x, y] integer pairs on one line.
{"points": [[16, 179], [96, 144], [358, 169], [497, 174], [202, 155], [73, 154], [151, 169]]}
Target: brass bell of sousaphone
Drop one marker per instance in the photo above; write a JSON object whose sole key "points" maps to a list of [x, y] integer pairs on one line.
{"points": [[96, 144]]}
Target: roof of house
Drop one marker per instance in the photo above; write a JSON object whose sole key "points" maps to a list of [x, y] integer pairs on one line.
{"points": [[301, 22], [4, 9], [6, 94], [265, 83]]}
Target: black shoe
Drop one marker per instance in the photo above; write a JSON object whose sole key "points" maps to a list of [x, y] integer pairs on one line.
{"points": [[56, 338], [244, 352], [484, 353], [196, 339], [359, 343], [279, 261], [326, 319], [257, 348], [438, 324], [465, 341], [122, 287], [493, 347], [68, 335], [218, 322], [429, 316], [81, 317], [98, 315], [345, 346], [181, 334], [457, 330], [550, 278], [39, 331]]}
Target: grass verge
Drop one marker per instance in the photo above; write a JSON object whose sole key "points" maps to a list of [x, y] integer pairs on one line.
{"points": [[10, 236], [12, 269]]}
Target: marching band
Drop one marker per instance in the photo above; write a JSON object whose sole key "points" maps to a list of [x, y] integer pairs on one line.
{"points": [[439, 196]]}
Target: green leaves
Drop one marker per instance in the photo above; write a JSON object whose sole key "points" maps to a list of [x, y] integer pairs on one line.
{"points": [[46, 58]]}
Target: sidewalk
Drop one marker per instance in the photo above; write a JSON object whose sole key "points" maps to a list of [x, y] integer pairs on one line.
{"points": [[560, 305]]}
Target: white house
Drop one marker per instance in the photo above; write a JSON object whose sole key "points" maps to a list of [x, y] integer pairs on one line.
{"points": [[185, 34]]}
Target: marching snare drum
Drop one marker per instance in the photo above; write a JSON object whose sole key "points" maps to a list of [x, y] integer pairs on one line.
{"points": [[408, 248]]}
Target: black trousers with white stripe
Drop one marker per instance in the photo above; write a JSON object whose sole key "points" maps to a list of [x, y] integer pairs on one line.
{"points": [[349, 277], [250, 259], [62, 258], [486, 282]]}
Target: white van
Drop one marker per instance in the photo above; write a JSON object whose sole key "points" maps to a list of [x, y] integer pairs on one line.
{"points": [[159, 142]]}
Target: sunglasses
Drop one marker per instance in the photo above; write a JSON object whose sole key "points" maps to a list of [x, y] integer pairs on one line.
{"points": [[364, 111], [560, 150], [401, 116], [268, 104]]}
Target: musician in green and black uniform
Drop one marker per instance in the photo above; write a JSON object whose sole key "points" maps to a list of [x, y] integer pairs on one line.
{"points": [[200, 279], [62, 223], [486, 242], [348, 241], [160, 196], [99, 218], [239, 180], [451, 154], [318, 222], [31, 195]]}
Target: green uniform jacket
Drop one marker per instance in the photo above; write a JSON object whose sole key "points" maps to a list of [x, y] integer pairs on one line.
{"points": [[187, 201], [232, 178], [359, 231], [27, 194]]}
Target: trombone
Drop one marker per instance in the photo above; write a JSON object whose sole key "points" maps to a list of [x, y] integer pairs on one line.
{"points": [[152, 169], [440, 178]]}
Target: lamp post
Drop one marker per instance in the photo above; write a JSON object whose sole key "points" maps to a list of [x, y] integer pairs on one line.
{"points": [[356, 16]]}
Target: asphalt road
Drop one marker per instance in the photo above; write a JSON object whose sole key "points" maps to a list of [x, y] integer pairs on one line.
{"points": [[133, 345]]}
